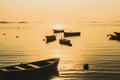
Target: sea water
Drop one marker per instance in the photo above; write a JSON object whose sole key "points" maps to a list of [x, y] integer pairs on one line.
{"points": [[21, 43]]}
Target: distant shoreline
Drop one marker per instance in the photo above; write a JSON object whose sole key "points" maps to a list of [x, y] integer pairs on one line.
{"points": [[5, 22]]}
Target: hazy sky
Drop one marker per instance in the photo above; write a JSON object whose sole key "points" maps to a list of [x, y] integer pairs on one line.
{"points": [[59, 10]]}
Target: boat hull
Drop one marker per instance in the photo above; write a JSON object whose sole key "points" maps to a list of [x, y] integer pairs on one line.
{"points": [[117, 33], [115, 38], [65, 42], [50, 38], [68, 34], [42, 72], [58, 31]]}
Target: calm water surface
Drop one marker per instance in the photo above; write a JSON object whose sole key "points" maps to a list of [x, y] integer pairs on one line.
{"points": [[92, 47]]}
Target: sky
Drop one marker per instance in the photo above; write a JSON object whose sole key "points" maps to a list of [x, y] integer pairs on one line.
{"points": [[59, 10]]}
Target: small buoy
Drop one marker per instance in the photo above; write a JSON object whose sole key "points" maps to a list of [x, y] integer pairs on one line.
{"points": [[43, 39], [4, 34], [85, 66], [17, 36]]}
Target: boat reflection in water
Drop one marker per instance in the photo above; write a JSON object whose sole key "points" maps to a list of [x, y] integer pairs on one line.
{"points": [[31, 71]]}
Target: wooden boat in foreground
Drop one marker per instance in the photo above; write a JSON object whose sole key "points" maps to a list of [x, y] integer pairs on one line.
{"points": [[68, 34], [58, 31], [50, 38], [38, 68], [65, 42]]}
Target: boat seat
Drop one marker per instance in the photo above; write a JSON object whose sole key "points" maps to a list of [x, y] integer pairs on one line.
{"points": [[32, 65], [20, 68], [50, 61], [3, 69]]}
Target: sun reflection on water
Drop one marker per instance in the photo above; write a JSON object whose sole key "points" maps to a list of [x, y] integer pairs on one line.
{"points": [[58, 26]]}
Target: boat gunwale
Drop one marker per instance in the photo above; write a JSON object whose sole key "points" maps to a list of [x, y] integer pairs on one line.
{"points": [[29, 69]]}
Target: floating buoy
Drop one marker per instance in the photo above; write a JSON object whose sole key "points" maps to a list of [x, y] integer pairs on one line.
{"points": [[4, 34], [17, 36], [85, 66], [43, 39], [18, 28]]}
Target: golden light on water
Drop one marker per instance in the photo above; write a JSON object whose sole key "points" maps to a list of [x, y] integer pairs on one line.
{"points": [[93, 18], [57, 53]]}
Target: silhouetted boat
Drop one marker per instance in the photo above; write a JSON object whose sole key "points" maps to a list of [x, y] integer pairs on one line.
{"points": [[114, 37], [68, 34], [50, 38], [58, 31], [65, 42], [39, 68], [117, 33]]}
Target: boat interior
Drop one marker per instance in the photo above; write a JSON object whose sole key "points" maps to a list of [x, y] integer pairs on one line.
{"points": [[26, 66]]}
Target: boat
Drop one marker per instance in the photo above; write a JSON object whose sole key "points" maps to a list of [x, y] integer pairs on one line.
{"points": [[114, 37], [117, 33], [65, 42], [41, 68], [58, 31], [50, 38], [68, 34]]}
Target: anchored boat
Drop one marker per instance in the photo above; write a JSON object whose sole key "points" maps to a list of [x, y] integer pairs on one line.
{"points": [[58, 31], [68, 34], [39, 68], [50, 38]]}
